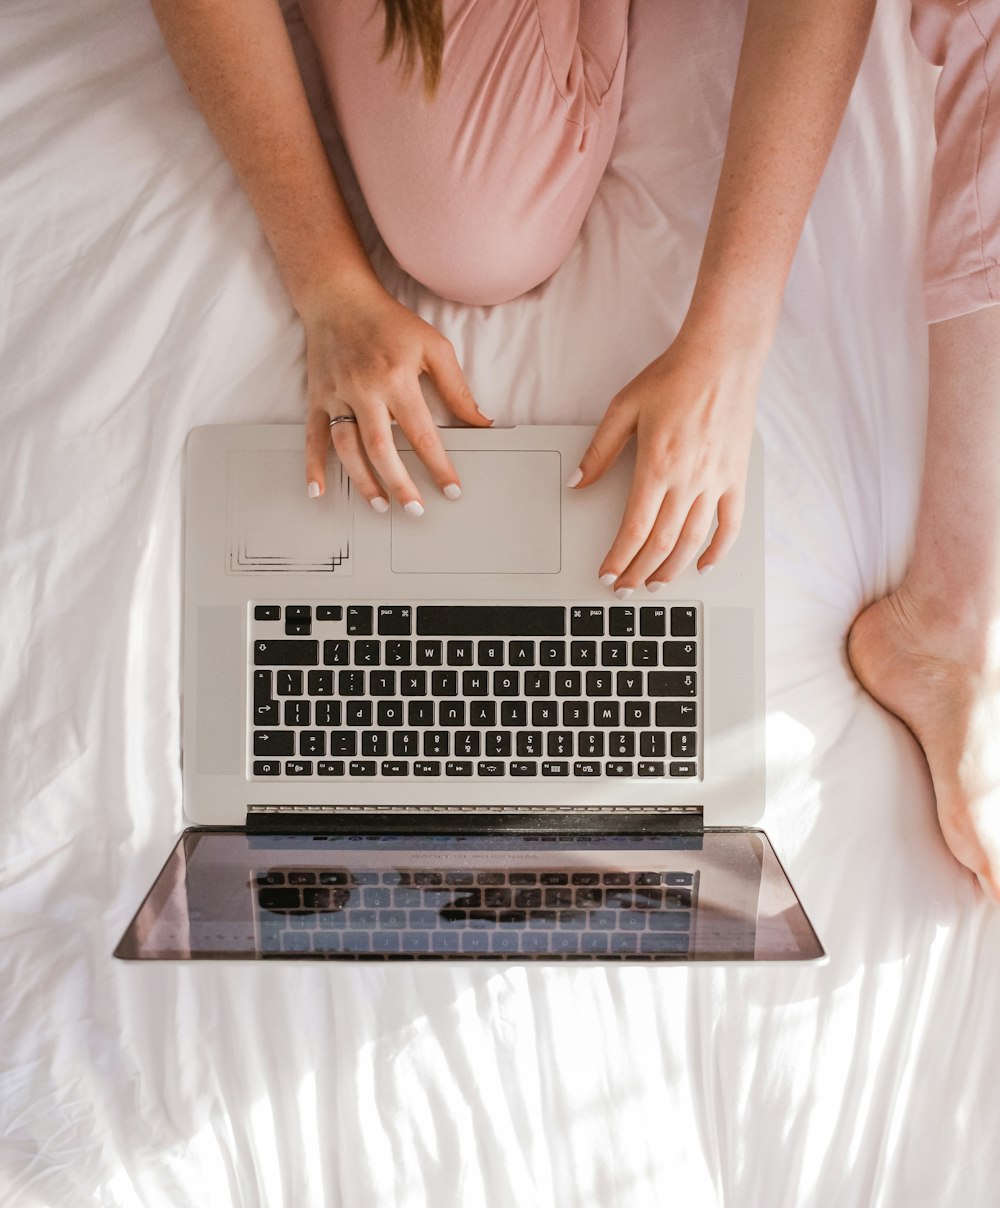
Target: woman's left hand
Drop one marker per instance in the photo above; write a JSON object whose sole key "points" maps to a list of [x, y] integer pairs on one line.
{"points": [[692, 413]]}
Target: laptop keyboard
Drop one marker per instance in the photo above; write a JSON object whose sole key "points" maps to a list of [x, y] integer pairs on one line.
{"points": [[469, 913], [410, 690]]}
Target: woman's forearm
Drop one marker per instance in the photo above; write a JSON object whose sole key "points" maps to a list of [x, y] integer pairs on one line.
{"points": [[237, 60], [797, 66]]}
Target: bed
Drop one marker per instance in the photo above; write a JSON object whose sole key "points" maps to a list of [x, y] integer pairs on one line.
{"points": [[138, 299]]}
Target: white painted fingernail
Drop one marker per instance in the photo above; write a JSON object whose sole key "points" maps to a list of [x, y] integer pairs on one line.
{"points": [[655, 586], [575, 477], [452, 491], [413, 508], [379, 504], [704, 570], [623, 593], [488, 418], [313, 490], [607, 579]]}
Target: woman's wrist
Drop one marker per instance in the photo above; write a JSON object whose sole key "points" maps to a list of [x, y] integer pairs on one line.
{"points": [[343, 287], [732, 319]]}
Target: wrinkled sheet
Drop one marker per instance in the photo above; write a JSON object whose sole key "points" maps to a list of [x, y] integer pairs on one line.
{"points": [[138, 299]]}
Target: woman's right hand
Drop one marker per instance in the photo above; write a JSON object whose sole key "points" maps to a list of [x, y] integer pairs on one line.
{"points": [[365, 353]]}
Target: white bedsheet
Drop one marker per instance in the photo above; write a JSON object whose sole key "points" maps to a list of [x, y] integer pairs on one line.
{"points": [[137, 299]]}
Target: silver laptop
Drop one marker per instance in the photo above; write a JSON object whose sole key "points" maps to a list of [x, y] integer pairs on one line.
{"points": [[441, 738]]}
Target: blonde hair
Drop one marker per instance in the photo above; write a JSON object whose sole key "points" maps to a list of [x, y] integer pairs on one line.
{"points": [[418, 25]]}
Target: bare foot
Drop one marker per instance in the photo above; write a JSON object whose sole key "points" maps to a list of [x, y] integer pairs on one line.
{"points": [[938, 684]]}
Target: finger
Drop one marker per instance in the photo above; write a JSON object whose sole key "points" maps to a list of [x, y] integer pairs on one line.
{"points": [[347, 445], [607, 442], [646, 498], [317, 444], [425, 439], [692, 536], [446, 374], [661, 540], [728, 529], [380, 448]]}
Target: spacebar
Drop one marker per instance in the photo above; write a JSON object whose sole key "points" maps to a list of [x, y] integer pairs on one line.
{"points": [[491, 620]]}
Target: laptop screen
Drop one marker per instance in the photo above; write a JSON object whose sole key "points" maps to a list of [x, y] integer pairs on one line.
{"points": [[718, 895]]}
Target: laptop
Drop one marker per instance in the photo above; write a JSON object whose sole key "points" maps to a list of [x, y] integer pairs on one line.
{"points": [[440, 738]]}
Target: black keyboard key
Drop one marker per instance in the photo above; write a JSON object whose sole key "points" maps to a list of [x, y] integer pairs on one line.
{"points": [[444, 683], [266, 713], [329, 612], [521, 654], [367, 652], [398, 653], [312, 742], [652, 622], [289, 683], [451, 713], [607, 713], [536, 683], [337, 654], [278, 899], [552, 654], [475, 683], [654, 767], [676, 714], [363, 767], [682, 745], [267, 767], [273, 742], [360, 619], [680, 654], [359, 713], [672, 683], [458, 767], [599, 683], [621, 622], [374, 742], [492, 620], [621, 744], [618, 768], [482, 713], [285, 652], [556, 767], [614, 654], [343, 742], [413, 683], [320, 683], [297, 712], [513, 713], [568, 683], [405, 742], [436, 742], [575, 713], [330, 767], [506, 683], [351, 683], [395, 767], [490, 654], [467, 742], [629, 683], [298, 612], [586, 622], [590, 744], [544, 713], [645, 654], [394, 619], [528, 742], [381, 683], [653, 744], [460, 654], [328, 713], [429, 654], [583, 654], [298, 629], [683, 769], [523, 767], [490, 767], [558, 743], [267, 612], [298, 767], [683, 623], [498, 744]]}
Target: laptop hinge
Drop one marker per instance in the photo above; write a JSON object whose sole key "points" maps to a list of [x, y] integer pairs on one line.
{"points": [[468, 820]]}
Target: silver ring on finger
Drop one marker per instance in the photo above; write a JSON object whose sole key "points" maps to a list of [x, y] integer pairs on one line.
{"points": [[343, 419]]}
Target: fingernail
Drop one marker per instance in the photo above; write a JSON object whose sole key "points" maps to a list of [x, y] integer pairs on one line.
{"points": [[607, 579], [488, 418], [413, 508], [623, 593], [704, 570], [655, 586], [313, 490], [575, 477], [452, 491], [379, 504]]}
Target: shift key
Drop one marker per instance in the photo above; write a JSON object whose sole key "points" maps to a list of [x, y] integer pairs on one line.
{"points": [[281, 652], [672, 683]]}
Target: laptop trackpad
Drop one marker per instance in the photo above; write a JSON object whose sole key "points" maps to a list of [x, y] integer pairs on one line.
{"points": [[506, 522]]}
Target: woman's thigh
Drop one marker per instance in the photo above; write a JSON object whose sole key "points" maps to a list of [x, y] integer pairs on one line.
{"points": [[962, 270], [480, 192]]}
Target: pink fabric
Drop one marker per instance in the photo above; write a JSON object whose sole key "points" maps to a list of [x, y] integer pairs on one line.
{"points": [[962, 270], [481, 192]]}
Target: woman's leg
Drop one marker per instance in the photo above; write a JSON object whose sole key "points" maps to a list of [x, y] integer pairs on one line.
{"points": [[480, 192], [930, 651]]}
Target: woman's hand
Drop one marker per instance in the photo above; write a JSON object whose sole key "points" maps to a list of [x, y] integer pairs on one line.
{"points": [[692, 413], [365, 353]]}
